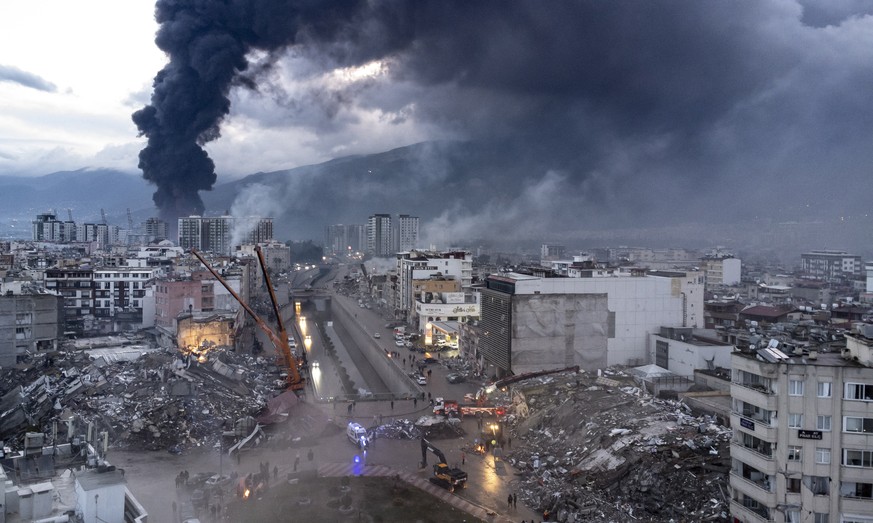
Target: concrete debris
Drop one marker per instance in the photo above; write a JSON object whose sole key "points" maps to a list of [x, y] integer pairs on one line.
{"points": [[599, 449], [143, 398]]}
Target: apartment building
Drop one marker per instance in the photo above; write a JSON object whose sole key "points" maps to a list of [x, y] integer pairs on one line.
{"points": [[380, 241], [29, 323], [120, 290], [406, 231], [718, 271], [206, 234], [831, 265], [76, 287], [802, 449]]}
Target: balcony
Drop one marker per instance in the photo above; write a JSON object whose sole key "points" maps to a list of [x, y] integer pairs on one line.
{"points": [[762, 429], [762, 490], [752, 394], [743, 513], [754, 458], [856, 505]]}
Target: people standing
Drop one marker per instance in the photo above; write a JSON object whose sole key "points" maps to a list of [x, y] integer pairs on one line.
{"points": [[463, 457], [392, 404], [509, 501], [514, 501]]}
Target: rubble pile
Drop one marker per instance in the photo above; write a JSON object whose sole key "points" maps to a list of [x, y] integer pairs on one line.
{"points": [[431, 427], [596, 450], [157, 401]]}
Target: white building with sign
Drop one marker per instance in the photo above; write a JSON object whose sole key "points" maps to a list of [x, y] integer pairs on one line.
{"points": [[464, 308]]}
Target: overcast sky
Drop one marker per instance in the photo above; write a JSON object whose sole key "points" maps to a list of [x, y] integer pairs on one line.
{"points": [[761, 101]]}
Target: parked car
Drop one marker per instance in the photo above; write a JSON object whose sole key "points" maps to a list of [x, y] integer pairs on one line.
{"points": [[399, 343], [455, 378], [218, 480], [377, 335], [421, 380]]}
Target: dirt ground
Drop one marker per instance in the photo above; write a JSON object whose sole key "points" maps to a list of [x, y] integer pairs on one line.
{"points": [[369, 499]]}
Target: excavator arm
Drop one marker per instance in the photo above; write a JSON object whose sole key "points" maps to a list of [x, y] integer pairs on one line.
{"points": [[428, 446], [295, 381]]}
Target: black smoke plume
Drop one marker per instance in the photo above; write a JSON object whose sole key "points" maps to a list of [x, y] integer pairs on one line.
{"points": [[207, 42]]}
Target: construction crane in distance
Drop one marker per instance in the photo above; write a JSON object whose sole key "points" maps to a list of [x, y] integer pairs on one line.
{"points": [[280, 342]]}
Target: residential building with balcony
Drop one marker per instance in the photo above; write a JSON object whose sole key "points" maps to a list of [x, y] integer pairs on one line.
{"points": [[802, 448], [76, 287]]}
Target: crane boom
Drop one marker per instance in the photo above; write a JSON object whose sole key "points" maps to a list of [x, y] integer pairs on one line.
{"points": [[295, 381], [282, 332]]}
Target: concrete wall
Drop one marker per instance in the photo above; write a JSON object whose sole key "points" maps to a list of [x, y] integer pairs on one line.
{"points": [[392, 374], [559, 330]]}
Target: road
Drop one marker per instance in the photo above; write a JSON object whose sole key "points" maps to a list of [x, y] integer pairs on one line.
{"points": [[151, 475]]}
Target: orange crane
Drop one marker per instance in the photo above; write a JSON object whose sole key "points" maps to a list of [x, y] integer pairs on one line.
{"points": [[280, 341]]}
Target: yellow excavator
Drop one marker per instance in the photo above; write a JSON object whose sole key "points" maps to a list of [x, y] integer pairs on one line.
{"points": [[445, 476]]}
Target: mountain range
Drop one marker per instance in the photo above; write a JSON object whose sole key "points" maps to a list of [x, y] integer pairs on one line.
{"points": [[461, 191]]}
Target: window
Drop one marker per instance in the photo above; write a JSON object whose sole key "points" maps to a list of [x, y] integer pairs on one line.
{"points": [[793, 485], [857, 490], [820, 517], [824, 389], [823, 423], [823, 456], [859, 391], [863, 425], [858, 458], [794, 452], [795, 421], [795, 387], [819, 485]]}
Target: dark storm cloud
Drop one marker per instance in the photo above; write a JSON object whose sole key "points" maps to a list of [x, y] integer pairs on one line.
{"points": [[658, 110], [12, 74]]}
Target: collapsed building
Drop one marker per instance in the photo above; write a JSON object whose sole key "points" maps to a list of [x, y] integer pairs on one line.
{"points": [[599, 448]]}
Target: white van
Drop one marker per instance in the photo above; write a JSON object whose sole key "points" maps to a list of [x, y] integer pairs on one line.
{"points": [[357, 435]]}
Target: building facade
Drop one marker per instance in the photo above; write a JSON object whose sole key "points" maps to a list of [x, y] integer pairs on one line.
{"points": [[206, 234], [802, 448], [718, 271], [425, 265], [532, 323], [29, 323], [119, 290], [830, 265], [76, 288], [379, 237], [406, 229]]}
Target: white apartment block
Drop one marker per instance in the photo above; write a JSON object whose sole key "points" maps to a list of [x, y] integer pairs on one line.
{"points": [[802, 449], [120, 289], [721, 271]]}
